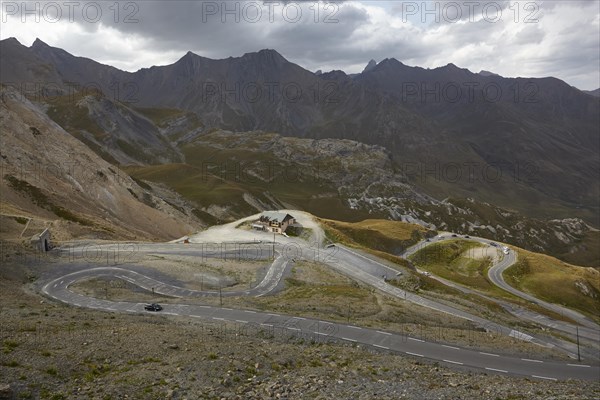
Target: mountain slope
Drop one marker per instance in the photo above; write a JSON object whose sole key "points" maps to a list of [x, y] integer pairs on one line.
{"points": [[528, 144], [50, 176], [117, 132]]}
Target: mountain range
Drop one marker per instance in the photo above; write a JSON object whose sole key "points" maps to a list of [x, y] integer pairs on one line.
{"points": [[527, 145], [540, 134]]}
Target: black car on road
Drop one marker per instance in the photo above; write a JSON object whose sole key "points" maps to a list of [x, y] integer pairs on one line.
{"points": [[153, 307]]}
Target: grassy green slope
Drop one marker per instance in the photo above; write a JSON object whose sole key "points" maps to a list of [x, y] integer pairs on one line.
{"points": [[557, 282]]}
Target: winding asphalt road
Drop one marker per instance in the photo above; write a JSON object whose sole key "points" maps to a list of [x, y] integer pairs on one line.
{"points": [[318, 330], [495, 276], [588, 329], [347, 261]]}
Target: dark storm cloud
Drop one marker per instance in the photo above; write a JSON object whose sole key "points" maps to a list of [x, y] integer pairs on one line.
{"points": [[561, 37], [222, 29]]}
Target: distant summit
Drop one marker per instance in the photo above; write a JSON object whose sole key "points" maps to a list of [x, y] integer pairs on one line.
{"points": [[443, 114], [483, 72], [595, 93], [372, 64]]}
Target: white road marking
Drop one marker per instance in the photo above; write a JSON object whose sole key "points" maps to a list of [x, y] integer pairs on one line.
{"points": [[348, 339], [381, 347], [453, 362], [220, 319], [353, 327], [251, 312], [417, 340], [489, 354], [321, 333], [578, 365], [299, 318], [384, 333], [544, 377], [415, 354], [267, 325], [240, 321], [294, 329], [450, 347], [530, 360], [497, 370], [274, 315]]}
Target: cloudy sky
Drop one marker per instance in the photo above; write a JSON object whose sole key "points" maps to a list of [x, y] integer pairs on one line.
{"points": [[511, 38]]}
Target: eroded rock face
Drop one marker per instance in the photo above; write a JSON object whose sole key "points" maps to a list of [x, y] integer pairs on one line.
{"points": [[50, 174]]}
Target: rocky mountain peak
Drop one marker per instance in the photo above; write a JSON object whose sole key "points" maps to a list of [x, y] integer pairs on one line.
{"points": [[487, 73], [372, 64], [38, 43], [11, 41], [266, 56]]}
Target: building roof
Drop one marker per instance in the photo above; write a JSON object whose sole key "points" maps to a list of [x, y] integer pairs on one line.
{"points": [[275, 216]]}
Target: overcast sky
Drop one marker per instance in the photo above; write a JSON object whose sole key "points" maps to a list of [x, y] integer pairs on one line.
{"points": [[511, 38]]}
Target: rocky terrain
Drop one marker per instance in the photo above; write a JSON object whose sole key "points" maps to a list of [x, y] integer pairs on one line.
{"points": [[223, 175], [101, 155], [52, 178], [349, 180], [370, 153], [540, 133], [53, 351]]}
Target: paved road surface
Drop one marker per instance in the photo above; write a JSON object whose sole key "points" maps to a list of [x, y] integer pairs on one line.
{"points": [[359, 266], [495, 275], [588, 329], [324, 330]]}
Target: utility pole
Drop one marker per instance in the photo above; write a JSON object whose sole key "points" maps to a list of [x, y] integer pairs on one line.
{"points": [[348, 312], [220, 294], [273, 244], [578, 353]]}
